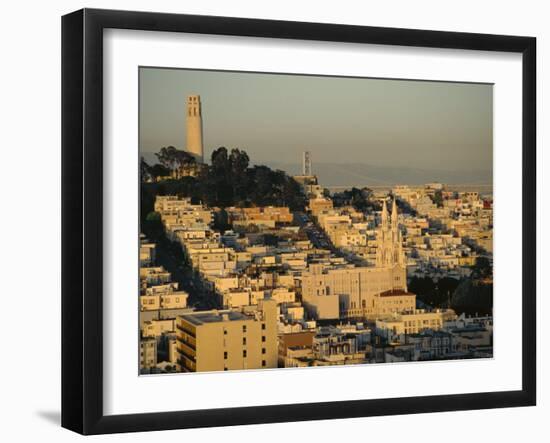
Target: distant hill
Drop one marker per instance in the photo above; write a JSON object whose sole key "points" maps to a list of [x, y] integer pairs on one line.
{"points": [[361, 174]]}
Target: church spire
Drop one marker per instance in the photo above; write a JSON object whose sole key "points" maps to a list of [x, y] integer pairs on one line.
{"points": [[384, 214], [394, 216]]}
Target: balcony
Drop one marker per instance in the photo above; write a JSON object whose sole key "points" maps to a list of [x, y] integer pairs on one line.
{"points": [[186, 331], [186, 355], [187, 344]]}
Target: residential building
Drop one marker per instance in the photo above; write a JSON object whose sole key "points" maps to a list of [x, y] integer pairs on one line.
{"points": [[229, 339]]}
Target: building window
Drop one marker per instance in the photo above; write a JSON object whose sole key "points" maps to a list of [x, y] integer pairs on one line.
{"points": [[244, 353], [225, 332], [244, 340], [263, 338], [244, 328], [263, 351], [225, 355], [263, 326], [263, 363], [225, 368]]}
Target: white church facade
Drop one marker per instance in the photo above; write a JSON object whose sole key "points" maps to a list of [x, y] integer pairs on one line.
{"points": [[367, 292]]}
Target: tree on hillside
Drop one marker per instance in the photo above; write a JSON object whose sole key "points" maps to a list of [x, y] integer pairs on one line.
{"points": [[167, 157], [157, 171], [221, 220], [152, 226], [220, 160], [438, 198], [292, 194], [219, 178], [238, 161], [482, 267], [144, 170], [173, 159], [473, 297], [227, 181], [261, 186], [435, 294], [360, 199]]}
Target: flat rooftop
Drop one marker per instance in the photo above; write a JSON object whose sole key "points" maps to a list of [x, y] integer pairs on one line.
{"points": [[214, 317]]}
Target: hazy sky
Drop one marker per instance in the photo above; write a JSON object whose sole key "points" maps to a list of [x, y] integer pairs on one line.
{"points": [[274, 117]]}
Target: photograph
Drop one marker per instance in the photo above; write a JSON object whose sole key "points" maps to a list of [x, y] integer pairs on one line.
{"points": [[298, 221], [263, 222]]}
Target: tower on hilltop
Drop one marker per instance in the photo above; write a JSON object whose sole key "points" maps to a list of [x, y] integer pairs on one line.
{"points": [[194, 127]]}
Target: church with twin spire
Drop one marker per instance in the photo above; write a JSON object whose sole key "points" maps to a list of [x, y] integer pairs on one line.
{"points": [[389, 251], [362, 292]]}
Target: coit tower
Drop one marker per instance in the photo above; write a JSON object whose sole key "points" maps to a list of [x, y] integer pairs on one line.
{"points": [[194, 127]]}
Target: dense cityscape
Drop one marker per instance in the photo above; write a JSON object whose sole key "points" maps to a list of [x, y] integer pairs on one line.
{"points": [[243, 267]]}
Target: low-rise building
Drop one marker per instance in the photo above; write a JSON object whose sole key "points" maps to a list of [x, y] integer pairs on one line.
{"points": [[413, 322], [148, 352], [157, 327]]}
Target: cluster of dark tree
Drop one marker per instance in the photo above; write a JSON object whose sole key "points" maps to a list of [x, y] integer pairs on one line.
{"points": [[151, 226], [169, 160], [154, 172], [360, 199], [483, 268], [438, 198], [473, 296], [228, 181], [435, 294], [470, 295]]}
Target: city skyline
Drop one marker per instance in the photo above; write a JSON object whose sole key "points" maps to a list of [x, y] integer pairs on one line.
{"points": [[370, 125]]}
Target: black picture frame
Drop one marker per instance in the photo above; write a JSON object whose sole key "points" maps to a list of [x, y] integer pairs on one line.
{"points": [[82, 216]]}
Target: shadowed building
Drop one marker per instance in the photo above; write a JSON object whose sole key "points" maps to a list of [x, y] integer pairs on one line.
{"points": [[194, 127]]}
